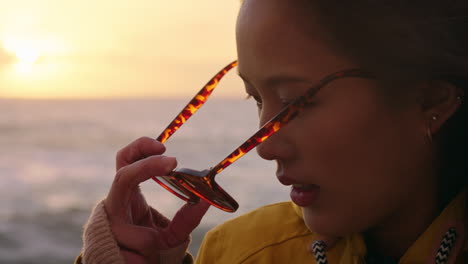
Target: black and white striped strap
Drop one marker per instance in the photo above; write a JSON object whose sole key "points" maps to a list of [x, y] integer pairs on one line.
{"points": [[446, 246], [318, 248], [448, 241]]}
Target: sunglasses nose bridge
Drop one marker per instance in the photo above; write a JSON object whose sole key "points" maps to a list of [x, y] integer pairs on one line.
{"points": [[210, 174], [194, 177]]}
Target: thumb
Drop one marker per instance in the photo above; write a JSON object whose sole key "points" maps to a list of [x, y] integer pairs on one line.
{"points": [[185, 221]]}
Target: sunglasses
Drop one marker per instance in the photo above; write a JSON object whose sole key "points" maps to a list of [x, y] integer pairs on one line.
{"points": [[192, 185]]}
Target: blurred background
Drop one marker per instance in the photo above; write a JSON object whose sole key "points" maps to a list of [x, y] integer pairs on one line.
{"points": [[81, 79]]}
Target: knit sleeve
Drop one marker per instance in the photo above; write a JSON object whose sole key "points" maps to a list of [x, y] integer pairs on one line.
{"points": [[100, 246]]}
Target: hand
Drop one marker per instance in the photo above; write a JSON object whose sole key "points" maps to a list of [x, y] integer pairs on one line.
{"points": [[142, 232]]}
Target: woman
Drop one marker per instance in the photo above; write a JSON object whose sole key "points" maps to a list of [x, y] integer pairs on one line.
{"points": [[377, 165]]}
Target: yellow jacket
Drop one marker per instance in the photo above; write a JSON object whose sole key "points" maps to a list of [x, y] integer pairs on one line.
{"points": [[277, 234]]}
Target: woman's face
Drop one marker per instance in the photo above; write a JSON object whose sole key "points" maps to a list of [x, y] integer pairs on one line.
{"points": [[354, 161]]}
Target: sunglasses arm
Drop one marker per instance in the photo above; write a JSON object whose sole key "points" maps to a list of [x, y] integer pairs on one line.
{"points": [[261, 135], [197, 101]]}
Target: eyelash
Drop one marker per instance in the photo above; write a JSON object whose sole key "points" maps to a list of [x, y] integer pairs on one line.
{"points": [[257, 100]]}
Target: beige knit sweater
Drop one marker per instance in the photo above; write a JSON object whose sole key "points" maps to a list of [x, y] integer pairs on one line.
{"points": [[100, 246]]}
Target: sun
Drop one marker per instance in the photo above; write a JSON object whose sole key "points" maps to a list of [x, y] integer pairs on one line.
{"points": [[26, 53]]}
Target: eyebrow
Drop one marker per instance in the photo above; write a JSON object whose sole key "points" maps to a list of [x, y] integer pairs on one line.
{"points": [[277, 80]]}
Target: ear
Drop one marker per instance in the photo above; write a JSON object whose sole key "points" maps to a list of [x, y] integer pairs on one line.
{"points": [[441, 100]]}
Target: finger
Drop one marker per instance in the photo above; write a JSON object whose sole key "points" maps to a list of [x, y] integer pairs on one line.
{"points": [[132, 258], [138, 149], [129, 177], [145, 215], [141, 214], [185, 221], [141, 240], [158, 219]]}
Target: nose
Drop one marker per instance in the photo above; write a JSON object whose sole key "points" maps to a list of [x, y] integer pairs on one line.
{"points": [[278, 146]]}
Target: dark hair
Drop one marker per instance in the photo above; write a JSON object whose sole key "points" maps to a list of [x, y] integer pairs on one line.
{"points": [[404, 41]]}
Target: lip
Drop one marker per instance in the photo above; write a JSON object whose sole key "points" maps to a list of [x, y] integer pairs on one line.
{"points": [[285, 180], [305, 196], [284, 177]]}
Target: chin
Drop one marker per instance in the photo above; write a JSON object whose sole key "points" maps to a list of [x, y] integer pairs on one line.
{"points": [[326, 224]]}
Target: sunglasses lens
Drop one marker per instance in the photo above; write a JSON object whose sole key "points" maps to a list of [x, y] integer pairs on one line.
{"points": [[202, 185], [170, 184]]}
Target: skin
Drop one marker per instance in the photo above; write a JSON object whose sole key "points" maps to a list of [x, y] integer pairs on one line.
{"points": [[142, 234], [371, 160]]}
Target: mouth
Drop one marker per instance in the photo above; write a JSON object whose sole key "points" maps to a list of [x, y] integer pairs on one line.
{"points": [[304, 194], [304, 187]]}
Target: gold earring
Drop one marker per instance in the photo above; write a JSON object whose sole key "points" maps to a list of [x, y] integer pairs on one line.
{"points": [[429, 134], [428, 129]]}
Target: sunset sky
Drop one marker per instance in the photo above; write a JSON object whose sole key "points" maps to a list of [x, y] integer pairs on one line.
{"points": [[113, 48]]}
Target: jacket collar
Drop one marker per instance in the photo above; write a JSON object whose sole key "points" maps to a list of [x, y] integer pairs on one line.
{"points": [[424, 250]]}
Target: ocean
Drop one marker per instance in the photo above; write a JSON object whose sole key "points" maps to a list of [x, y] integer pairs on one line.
{"points": [[57, 161]]}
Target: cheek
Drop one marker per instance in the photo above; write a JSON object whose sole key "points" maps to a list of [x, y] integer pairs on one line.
{"points": [[357, 135], [343, 134], [361, 154]]}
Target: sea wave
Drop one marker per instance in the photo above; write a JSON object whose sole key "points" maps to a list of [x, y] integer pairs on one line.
{"points": [[57, 161]]}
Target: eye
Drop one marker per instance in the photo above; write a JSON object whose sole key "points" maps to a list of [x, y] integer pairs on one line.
{"points": [[257, 100], [286, 102]]}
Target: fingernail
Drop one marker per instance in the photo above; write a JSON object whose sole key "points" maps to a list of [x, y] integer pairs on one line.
{"points": [[157, 143], [170, 162]]}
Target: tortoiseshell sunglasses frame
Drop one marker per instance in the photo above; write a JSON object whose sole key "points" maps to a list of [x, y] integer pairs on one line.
{"points": [[190, 185]]}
